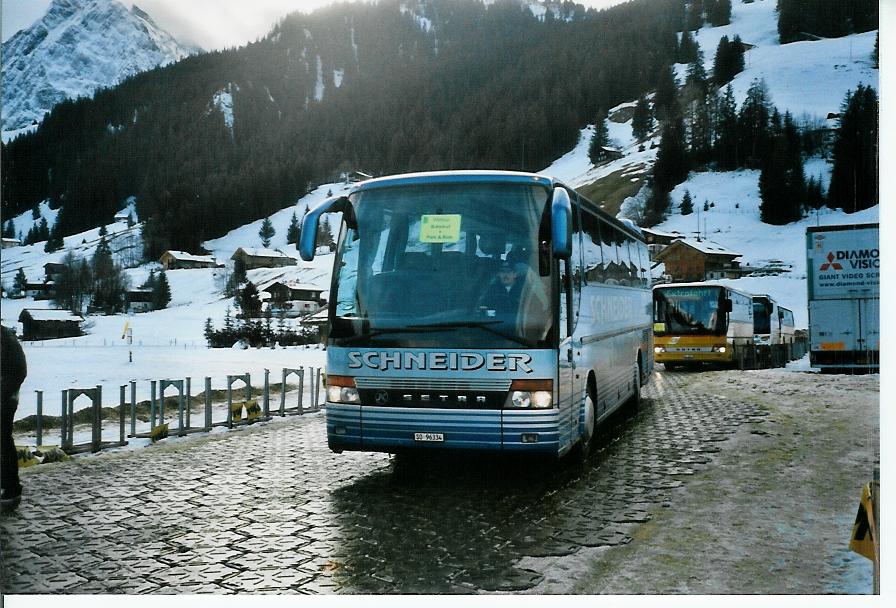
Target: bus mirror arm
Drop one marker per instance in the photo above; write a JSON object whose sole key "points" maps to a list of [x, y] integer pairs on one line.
{"points": [[561, 224], [308, 235]]}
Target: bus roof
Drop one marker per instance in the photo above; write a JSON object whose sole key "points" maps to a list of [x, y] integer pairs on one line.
{"points": [[454, 177]]}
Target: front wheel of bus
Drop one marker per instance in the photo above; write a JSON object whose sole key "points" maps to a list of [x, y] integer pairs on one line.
{"points": [[634, 402], [586, 441]]}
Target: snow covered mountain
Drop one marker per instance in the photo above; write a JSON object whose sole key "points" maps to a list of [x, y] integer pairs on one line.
{"points": [[808, 79], [77, 47]]}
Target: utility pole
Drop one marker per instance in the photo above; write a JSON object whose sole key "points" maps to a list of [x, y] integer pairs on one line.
{"points": [[698, 223]]}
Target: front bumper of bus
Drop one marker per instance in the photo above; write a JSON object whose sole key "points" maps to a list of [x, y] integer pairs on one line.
{"points": [[719, 353], [392, 429]]}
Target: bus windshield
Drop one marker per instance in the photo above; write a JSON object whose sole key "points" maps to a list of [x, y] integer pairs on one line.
{"points": [[445, 265], [689, 311], [761, 316]]}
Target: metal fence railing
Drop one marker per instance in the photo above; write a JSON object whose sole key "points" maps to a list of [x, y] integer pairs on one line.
{"points": [[95, 427]]}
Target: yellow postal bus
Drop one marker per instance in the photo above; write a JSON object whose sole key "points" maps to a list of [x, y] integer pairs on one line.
{"points": [[701, 323]]}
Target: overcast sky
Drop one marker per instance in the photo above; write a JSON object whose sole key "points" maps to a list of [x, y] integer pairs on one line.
{"points": [[211, 24]]}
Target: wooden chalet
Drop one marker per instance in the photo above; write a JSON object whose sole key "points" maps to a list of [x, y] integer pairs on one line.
{"points": [[605, 154], [657, 240], [39, 291], [179, 260], [48, 324], [52, 270], [291, 298], [262, 258], [692, 260], [138, 300]]}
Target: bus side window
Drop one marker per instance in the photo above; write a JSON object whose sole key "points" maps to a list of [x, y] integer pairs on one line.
{"points": [[624, 263], [644, 268], [591, 249], [634, 263], [610, 256]]}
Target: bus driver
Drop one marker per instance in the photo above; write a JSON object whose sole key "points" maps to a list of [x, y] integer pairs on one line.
{"points": [[501, 298]]}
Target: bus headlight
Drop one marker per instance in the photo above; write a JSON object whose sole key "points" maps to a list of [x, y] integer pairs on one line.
{"points": [[658, 350], [341, 389], [542, 399], [521, 399], [342, 394], [536, 399], [719, 349], [531, 394]]}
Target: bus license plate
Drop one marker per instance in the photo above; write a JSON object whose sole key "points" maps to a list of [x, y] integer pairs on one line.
{"points": [[429, 437]]}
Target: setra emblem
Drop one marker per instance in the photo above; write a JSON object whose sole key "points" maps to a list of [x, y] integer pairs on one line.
{"points": [[381, 397]]}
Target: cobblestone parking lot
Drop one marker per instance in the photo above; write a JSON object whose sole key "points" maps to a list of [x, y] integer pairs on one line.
{"points": [[268, 508]]}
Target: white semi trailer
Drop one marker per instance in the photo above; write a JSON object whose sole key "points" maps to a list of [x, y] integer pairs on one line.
{"points": [[843, 270]]}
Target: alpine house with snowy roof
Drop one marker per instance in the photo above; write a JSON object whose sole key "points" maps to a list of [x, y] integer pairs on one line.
{"points": [[46, 324], [178, 260], [262, 258], [695, 260]]}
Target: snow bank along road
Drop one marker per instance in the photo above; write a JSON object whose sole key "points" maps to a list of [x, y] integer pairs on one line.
{"points": [[723, 482]]}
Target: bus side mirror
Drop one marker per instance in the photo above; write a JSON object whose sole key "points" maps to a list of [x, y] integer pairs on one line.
{"points": [[308, 235], [561, 224], [727, 304]]}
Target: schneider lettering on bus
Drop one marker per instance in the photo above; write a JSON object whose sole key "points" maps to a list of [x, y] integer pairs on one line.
{"points": [[480, 310]]}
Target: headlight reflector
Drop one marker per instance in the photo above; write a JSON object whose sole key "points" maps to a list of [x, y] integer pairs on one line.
{"points": [[521, 398]]}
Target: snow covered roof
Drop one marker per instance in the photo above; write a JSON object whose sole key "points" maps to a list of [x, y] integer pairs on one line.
{"points": [[189, 257], [707, 247], [673, 234], [291, 284], [50, 314], [261, 253]]}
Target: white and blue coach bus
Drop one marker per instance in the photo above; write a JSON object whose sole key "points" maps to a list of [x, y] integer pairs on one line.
{"points": [[478, 310]]}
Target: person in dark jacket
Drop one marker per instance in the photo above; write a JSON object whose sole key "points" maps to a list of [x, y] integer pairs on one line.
{"points": [[501, 298], [14, 370]]}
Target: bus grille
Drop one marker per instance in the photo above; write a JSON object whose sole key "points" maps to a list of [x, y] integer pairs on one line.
{"points": [[433, 384]]}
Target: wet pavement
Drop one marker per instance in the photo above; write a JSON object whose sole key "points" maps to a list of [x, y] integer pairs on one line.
{"points": [[269, 509]]}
